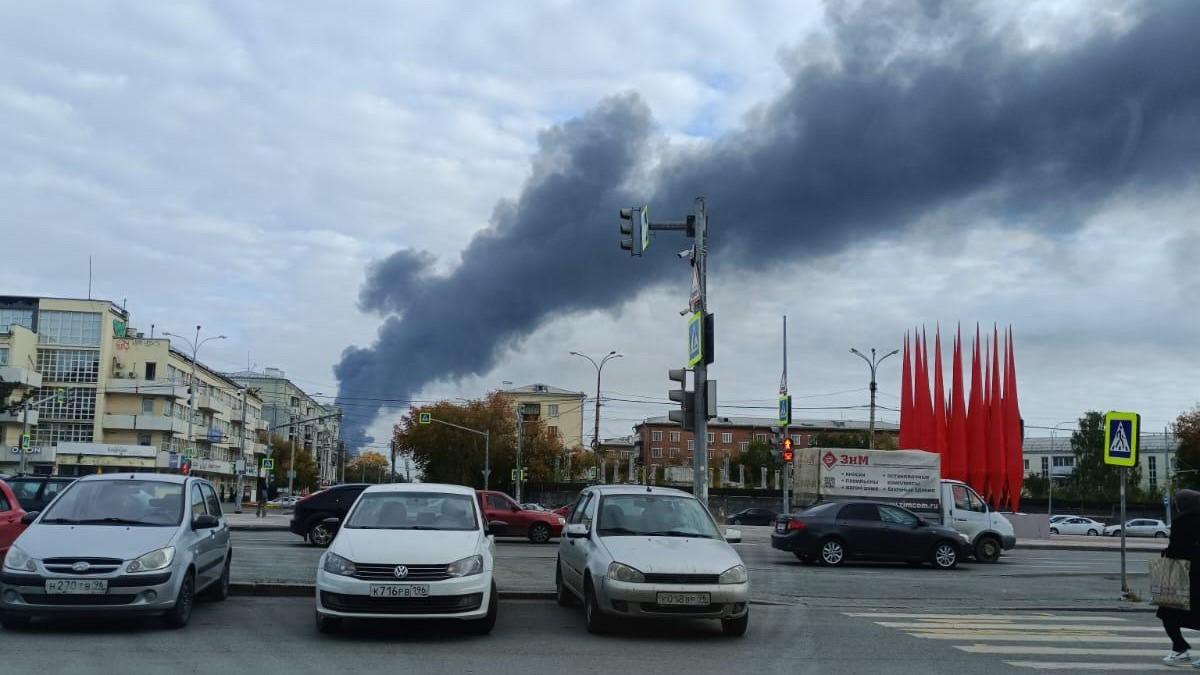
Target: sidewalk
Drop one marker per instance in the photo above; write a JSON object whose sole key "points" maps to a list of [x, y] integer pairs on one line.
{"points": [[275, 520], [1081, 543]]}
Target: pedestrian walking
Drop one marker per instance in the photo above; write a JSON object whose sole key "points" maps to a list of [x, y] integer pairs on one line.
{"points": [[1184, 545], [261, 512]]}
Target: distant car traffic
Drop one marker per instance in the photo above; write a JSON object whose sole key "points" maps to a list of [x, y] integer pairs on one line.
{"points": [[119, 544], [409, 550], [649, 552], [311, 512], [533, 506], [834, 532], [283, 502], [515, 521], [11, 514], [1140, 527], [752, 517], [1077, 525], [1059, 518], [36, 492]]}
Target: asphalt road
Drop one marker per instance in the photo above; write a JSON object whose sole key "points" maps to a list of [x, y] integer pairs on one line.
{"points": [[276, 635]]}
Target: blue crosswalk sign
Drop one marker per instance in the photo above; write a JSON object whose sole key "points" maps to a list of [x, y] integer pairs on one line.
{"points": [[1121, 438]]}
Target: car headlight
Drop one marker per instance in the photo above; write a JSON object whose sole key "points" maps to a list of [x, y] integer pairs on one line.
{"points": [[154, 560], [733, 575], [19, 560], [966, 539], [466, 567], [562, 521], [621, 572], [336, 564]]}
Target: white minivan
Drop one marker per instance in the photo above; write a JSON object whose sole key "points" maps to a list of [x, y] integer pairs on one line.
{"points": [[409, 551]]}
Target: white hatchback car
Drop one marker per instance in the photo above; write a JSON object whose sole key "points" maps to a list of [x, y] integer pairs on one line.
{"points": [[409, 551]]}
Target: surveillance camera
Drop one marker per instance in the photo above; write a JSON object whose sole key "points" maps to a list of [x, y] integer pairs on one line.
{"points": [[683, 312], [685, 253]]}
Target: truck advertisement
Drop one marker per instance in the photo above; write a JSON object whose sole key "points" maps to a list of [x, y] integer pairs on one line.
{"points": [[907, 478]]}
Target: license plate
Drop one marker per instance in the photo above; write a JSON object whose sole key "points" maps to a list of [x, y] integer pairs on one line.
{"points": [[691, 599], [781, 527], [399, 590], [76, 586]]}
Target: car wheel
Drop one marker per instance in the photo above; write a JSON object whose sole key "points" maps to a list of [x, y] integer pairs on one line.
{"points": [[539, 533], [833, 552], [1093, 533], [328, 624], [179, 615], [320, 535], [1116, 533], [987, 550], [1160, 535], [561, 594], [945, 555], [220, 590], [593, 618], [736, 627], [12, 621], [1054, 530], [486, 624]]}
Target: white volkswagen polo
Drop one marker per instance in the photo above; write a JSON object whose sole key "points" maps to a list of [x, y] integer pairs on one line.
{"points": [[409, 551]]}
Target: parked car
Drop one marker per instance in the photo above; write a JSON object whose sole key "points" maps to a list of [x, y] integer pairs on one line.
{"points": [[119, 544], [564, 510], [533, 506], [515, 521], [1141, 527], [11, 514], [283, 502], [650, 552], [308, 518], [409, 550], [1077, 525], [834, 532], [752, 517], [36, 492], [1059, 518]]}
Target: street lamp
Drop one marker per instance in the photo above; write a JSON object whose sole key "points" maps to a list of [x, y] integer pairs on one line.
{"points": [[873, 364], [195, 344], [1050, 473], [599, 367]]}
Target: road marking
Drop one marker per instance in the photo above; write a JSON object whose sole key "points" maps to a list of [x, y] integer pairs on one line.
{"points": [[968, 617], [998, 625], [1068, 665], [1002, 636]]}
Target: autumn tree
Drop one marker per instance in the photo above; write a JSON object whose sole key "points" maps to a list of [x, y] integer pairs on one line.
{"points": [[369, 467], [306, 466], [1187, 456]]}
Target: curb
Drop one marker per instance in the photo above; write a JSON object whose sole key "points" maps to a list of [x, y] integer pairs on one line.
{"points": [[1095, 549]]}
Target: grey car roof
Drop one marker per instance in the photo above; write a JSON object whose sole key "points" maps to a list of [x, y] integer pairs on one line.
{"points": [[638, 489]]}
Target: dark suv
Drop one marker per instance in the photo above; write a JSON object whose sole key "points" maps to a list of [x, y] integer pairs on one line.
{"points": [[333, 502], [36, 492]]}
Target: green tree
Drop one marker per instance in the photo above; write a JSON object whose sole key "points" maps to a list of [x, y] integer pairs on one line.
{"points": [[306, 466], [1037, 487], [1187, 456], [1093, 480], [757, 455], [369, 467]]}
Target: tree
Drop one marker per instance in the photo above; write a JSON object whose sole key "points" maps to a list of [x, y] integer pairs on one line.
{"points": [[1094, 480], [757, 455], [1187, 456], [369, 467], [306, 466]]}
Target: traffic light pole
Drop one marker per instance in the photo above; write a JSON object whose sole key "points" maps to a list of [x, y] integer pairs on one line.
{"points": [[700, 458]]}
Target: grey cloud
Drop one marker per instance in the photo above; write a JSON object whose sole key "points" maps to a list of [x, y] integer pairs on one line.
{"points": [[913, 111]]}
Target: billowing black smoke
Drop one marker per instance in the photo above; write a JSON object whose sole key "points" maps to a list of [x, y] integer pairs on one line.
{"points": [[909, 109]]}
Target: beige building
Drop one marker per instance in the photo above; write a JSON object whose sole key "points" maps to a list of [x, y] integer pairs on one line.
{"points": [[127, 399], [559, 409]]}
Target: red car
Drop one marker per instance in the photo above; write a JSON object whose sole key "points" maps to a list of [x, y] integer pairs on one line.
{"points": [[10, 519], [539, 526]]}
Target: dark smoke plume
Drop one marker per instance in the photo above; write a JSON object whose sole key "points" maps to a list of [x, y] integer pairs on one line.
{"points": [[909, 109]]}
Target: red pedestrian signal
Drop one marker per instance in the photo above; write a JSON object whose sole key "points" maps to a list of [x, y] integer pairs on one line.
{"points": [[787, 450], [186, 467]]}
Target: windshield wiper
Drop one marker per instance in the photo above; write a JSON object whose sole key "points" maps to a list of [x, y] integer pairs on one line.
{"points": [[59, 521], [617, 530], [678, 533], [112, 521]]}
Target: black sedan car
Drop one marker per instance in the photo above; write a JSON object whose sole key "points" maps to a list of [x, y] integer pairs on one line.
{"points": [[751, 517], [835, 532], [310, 512]]}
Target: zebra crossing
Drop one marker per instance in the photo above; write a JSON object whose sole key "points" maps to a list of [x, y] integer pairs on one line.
{"points": [[1044, 641]]}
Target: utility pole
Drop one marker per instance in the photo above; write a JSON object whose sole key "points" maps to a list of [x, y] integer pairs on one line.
{"points": [[520, 473], [599, 367], [193, 390], [700, 375], [785, 421], [873, 364]]}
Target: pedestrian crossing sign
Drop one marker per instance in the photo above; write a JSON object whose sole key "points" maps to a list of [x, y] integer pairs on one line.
{"points": [[1121, 438]]}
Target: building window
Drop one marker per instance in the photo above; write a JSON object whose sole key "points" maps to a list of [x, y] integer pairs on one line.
{"points": [[656, 435], [1153, 461], [796, 440], [53, 433], [145, 439], [3, 356], [68, 365], [147, 406], [1045, 467], [761, 438], [743, 446], [21, 317], [76, 329], [691, 445], [553, 430], [674, 436], [726, 437], [712, 437], [80, 404], [1061, 461], [552, 410], [674, 452], [151, 370], [656, 452]]}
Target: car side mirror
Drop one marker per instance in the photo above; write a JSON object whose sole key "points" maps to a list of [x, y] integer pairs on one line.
{"points": [[577, 531], [733, 536], [495, 527], [205, 522], [28, 518]]}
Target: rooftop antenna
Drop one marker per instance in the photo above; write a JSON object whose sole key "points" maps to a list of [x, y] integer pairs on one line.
{"points": [[89, 277]]}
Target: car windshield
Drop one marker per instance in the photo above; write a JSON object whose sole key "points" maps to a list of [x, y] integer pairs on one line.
{"points": [[413, 511], [118, 502], [654, 515]]}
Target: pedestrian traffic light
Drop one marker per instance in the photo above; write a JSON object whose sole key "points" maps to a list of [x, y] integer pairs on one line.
{"points": [[686, 415], [635, 230], [787, 451]]}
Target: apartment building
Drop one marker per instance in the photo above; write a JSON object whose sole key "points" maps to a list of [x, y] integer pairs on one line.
{"points": [[129, 402], [561, 410], [298, 417], [1054, 457]]}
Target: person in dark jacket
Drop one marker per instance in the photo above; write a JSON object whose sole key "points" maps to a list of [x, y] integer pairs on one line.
{"points": [[1184, 545]]}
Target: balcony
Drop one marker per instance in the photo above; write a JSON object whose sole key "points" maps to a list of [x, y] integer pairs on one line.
{"points": [[145, 423], [147, 388], [20, 376], [212, 404], [18, 417]]}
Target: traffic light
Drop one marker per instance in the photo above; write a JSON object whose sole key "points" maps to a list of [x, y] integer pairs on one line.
{"points": [[787, 451], [635, 230], [686, 415]]}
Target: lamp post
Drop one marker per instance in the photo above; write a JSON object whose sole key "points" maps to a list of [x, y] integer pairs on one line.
{"points": [[873, 364], [1050, 473], [195, 344], [599, 368]]}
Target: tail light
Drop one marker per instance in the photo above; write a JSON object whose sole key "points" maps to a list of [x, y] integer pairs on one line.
{"points": [[794, 525]]}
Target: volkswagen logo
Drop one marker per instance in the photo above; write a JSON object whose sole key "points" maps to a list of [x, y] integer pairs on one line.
{"points": [[401, 571], [80, 567]]}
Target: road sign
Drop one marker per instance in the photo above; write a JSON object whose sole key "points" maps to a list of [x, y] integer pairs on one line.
{"points": [[60, 395], [1121, 438], [695, 338], [118, 328], [425, 418], [25, 441], [189, 453], [524, 475], [186, 467], [644, 214], [696, 294], [268, 464], [785, 411]]}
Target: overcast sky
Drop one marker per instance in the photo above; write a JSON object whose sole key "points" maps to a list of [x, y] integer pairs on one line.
{"points": [[242, 166]]}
